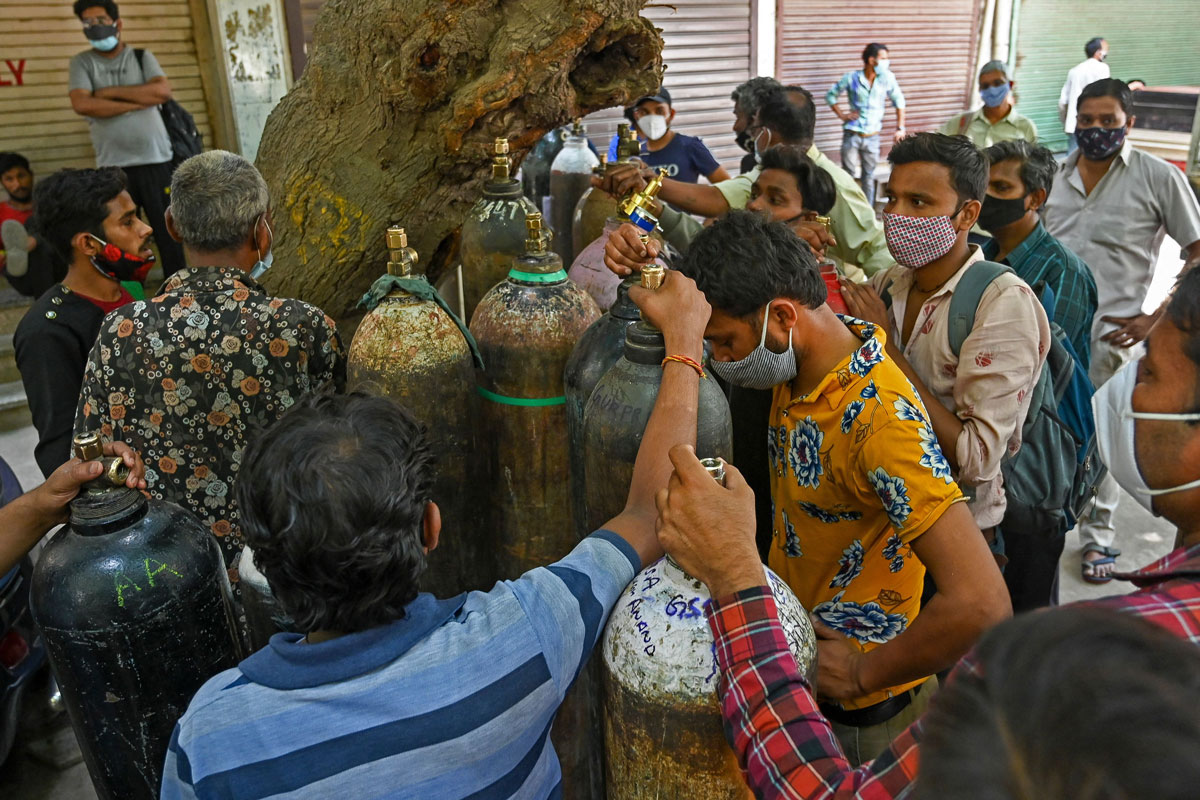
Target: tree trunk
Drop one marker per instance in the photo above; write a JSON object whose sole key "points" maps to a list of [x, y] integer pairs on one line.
{"points": [[394, 118]]}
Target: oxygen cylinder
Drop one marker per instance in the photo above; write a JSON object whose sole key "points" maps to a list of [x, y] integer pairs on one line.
{"points": [[596, 205], [570, 177], [535, 169], [589, 269], [133, 601], [526, 327], [410, 349], [663, 730], [264, 616], [598, 349], [619, 408], [493, 233]]}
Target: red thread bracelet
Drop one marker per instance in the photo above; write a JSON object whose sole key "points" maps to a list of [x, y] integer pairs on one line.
{"points": [[691, 362]]}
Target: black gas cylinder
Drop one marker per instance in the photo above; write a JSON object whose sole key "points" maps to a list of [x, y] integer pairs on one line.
{"points": [[133, 601]]}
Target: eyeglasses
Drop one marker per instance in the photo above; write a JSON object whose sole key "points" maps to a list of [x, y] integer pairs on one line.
{"points": [[91, 22]]}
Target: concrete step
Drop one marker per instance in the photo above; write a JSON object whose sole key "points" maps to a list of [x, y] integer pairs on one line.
{"points": [[14, 406], [8, 360]]}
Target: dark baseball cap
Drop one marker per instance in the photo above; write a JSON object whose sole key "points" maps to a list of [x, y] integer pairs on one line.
{"points": [[659, 96]]}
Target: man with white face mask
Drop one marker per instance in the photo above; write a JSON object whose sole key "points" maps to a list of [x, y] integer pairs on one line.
{"points": [[685, 157], [863, 499], [862, 123], [977, 398]]}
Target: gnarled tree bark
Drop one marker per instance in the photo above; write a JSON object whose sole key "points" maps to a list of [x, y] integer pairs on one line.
{"points": [[395, 114]]}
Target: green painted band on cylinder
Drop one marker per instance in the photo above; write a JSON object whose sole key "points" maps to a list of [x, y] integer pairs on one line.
{"points": [[504, 400], [538, 277]]}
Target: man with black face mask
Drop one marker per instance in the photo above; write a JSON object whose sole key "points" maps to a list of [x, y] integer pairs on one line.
{"points": [[87, 216], [1112, 205], [1021, 175]]}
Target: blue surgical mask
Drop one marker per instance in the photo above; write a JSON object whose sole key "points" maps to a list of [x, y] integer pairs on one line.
{"points": [[264, 262], [107, 44], [993, 96], [763, 368]]}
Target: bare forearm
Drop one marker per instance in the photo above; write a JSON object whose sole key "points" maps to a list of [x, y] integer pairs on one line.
{"points": [[837, 112], [692, 198], [941, 634], [22, 523], [146, 94], [899, 117], [103, 109]]}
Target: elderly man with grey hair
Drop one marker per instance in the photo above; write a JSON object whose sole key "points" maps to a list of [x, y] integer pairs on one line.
{"points": [[997, 120], [190, 376]]}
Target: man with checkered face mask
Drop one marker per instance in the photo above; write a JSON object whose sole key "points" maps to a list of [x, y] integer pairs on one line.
{"points": [[978, 398]]}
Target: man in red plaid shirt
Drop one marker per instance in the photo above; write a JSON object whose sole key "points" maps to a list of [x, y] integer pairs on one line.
{"points": [[1149, 434]]}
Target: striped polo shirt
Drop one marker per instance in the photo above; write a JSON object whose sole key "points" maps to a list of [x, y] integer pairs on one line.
{"points": [[455, 700]]}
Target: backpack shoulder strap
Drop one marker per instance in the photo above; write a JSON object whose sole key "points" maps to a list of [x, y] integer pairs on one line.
{"points": [[965, 300], [140, 54]]}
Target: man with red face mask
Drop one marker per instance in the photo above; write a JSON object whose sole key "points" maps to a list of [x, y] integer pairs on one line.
{"points": [[88, 217]]}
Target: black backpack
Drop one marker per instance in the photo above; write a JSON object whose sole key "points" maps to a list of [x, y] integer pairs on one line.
{"points": [[186, 140]]}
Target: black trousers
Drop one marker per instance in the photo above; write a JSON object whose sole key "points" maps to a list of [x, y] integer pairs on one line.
{"points": [[150, 187], [46, 268], [1032, 570]]}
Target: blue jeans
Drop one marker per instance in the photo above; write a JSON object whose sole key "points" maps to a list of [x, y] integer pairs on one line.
{"points": [[860, 154]]}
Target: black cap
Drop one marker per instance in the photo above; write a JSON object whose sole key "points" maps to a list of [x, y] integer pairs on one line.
{"points": [[659, 96]]}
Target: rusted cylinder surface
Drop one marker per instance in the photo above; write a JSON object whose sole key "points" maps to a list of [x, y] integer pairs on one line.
{"points": [[410, 350], [526, 332], [493, 234], [662, 719], [592, 213]]}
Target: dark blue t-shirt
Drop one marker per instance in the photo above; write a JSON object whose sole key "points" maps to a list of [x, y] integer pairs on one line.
{"points": [[685, 157]]}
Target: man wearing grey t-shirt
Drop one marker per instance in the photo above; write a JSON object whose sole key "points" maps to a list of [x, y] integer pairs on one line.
{"points": [[119, 90]]}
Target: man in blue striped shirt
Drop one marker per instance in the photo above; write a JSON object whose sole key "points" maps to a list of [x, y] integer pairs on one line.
{"points": [[394, 693], [866, 90]]}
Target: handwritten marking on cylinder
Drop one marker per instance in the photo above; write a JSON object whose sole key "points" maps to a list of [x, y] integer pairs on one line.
{"points": [[121, 587], [161, 566]]}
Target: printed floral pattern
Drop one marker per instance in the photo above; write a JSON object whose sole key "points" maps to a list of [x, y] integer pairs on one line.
{"points": [[891, 552], [849, 566], [932, 455], [893, 494], [804, 456], [870, 391], [907, 411], [853, 409], [866, 357], [188, 376], [866, 622], [791, 541]]}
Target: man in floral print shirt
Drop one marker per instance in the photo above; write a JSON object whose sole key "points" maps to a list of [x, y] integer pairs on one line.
{"points": [[863, 498], [188, 377]]}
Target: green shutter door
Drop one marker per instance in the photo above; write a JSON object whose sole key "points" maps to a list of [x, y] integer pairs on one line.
{"points": [[1155, 41]]}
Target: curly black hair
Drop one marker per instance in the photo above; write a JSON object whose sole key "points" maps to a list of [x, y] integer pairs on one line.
{"points": [[332, 499], [742, 262], [75, 201]]}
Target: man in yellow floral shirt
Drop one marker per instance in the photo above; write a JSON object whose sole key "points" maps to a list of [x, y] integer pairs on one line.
{"points": [[863, 498], [188, 377]]}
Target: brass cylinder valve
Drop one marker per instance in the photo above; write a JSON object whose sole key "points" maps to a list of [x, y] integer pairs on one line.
{"points": [[537, 237], [401, 258], [653, 276], [90, 447], [627, 143], [639, 206], [501, 165]]}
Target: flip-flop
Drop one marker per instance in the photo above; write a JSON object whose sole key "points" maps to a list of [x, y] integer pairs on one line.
{"points": [[16, 247], [1110, 557]]}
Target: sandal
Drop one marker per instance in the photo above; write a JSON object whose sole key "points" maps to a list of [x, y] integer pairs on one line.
{"points": [[1088, 568]]}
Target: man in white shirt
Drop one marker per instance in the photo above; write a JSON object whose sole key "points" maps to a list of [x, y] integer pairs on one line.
{"points": [[1112, 204], [1090, 70]]}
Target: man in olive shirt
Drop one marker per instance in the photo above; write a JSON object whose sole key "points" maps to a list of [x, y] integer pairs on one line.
{"points": [[997, 120], [787, 118]]}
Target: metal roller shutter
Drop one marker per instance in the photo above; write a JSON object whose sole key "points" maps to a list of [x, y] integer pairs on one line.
{"points": [[707, 53], [36, 117], [1155, 42], [931, 45]]}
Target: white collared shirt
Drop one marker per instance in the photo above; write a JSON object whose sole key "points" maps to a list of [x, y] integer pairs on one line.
{"points": [[1118, 229], [1087, 71]]}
